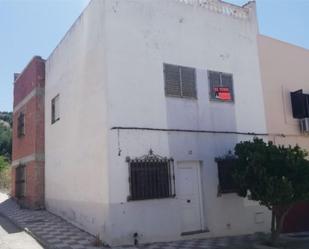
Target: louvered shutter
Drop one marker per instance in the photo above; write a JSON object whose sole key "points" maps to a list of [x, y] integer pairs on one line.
{"points": [[298, 100], [172, 80], [214, 81], [188, 82], [227, 81]]}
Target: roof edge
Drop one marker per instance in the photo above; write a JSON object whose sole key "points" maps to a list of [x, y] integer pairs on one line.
{"points": [[284, 42], [36, 57], [69, 30]]}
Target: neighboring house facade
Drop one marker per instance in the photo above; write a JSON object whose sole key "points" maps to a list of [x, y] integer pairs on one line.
{"points": [[138, 103], [284, 70], [134, 79], [28, 135]]}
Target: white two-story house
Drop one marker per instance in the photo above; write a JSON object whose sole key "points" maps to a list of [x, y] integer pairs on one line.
{"points": [[141, 97]]}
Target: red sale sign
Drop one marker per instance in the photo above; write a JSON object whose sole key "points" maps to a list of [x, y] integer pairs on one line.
{"points": [[223, 93]]}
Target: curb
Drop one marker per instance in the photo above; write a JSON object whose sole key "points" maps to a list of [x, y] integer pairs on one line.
{"points": [[25, 229], [38, 239]]}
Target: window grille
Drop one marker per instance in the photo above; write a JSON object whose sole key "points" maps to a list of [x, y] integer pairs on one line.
{"points": [[55, 115], [20, 181], [151, 177], [21, 125], [225, 174], [179, 81], [221, 86]]}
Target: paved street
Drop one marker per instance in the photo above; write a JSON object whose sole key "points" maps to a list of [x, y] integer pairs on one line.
{"points": [[12, 237], [52, 231], [56, 233]]}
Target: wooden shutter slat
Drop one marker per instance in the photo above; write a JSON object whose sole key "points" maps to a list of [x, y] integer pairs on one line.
{"points": [[188, 82], [214, 81], [227, 81], [172, 80]]}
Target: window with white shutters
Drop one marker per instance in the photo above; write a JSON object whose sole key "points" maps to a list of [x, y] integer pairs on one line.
{"points": [[221, 86], [179, 81]]}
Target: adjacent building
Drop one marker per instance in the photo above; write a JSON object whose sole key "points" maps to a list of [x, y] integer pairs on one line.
{"points": [[138, 103], [28, 135], [285, 78]]}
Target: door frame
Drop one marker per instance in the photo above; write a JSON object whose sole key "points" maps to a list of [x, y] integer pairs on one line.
{"points": [[198, 165]]}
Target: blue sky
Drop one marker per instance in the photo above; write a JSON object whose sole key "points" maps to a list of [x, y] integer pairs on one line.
{"points": [[34, 27]]}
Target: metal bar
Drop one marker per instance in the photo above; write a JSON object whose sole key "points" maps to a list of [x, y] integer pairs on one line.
{"points": [[151, 178], [169, 178], [174, 185], [198, 131]]}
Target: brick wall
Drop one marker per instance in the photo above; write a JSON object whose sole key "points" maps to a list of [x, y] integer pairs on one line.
{"points": [[28, 150], [32, 76]]}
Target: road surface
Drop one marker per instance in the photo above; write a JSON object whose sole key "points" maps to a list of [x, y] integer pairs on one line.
{"points": [[12, 237]]}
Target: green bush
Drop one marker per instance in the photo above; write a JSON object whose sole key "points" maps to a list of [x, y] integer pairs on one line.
{"points": [[5, 141], [276, 176], [5, 175]]}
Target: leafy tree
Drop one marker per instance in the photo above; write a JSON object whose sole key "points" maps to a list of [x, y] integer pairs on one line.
{"points": [[276, 176], [5, 175], [3, 163], [5, 141], [7, 117]]}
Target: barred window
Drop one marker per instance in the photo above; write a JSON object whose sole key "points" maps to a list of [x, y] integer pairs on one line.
{"points": [[225, 174], [151, 177], [179, 81], [21, 125], [221, 86], [55, 114], [20, 181]]}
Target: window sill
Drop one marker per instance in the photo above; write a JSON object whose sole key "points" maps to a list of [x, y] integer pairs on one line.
{"points": [[195, 232], [221, 101], [154, 199], [180, 97], [54, 121]]}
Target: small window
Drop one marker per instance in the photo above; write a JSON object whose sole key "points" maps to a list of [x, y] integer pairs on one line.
{"points": [[225, 174], [21, 125], [300, 104], [179, 81], [20, 181], [151, 177], [221, 86], [55, 115]]}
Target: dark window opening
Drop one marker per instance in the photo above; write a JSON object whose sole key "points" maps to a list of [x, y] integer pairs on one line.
{"points": [[300, 104], [21, 125], [179, 81], [55, 115], [151, 177], [225, 174], [221, 86], [20, 181]]}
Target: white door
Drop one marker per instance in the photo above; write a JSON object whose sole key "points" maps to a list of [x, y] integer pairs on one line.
{"points": [[188, 192]]}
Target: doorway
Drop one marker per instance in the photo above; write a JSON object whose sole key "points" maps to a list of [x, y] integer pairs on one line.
{"points": [[189, 195]]}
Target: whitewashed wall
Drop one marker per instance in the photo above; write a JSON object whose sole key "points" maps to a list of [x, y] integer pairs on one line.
{"points": [[141, 36], [76, 154], [108, 71]]}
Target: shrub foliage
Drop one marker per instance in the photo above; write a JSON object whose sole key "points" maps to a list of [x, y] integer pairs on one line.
{"points": [[275, 176]]}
